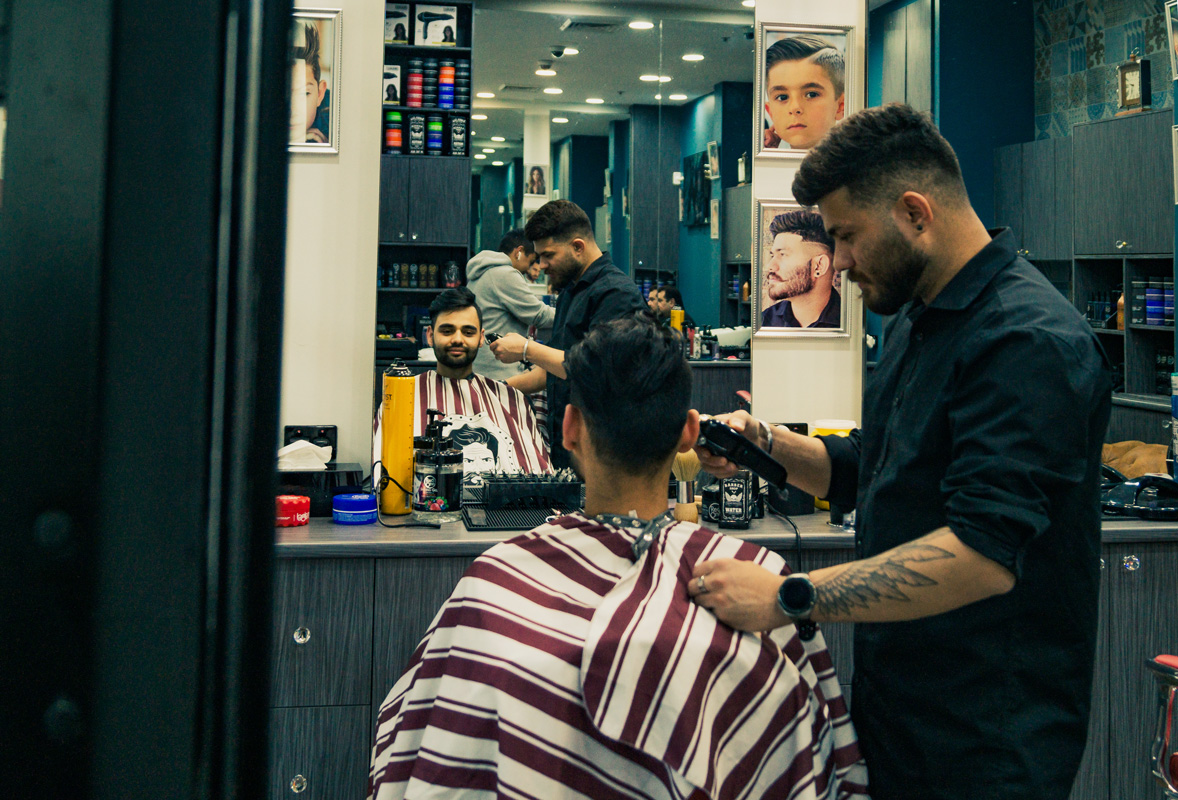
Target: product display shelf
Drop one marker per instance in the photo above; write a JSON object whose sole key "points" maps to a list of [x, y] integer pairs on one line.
{"points": [[735, 309]]}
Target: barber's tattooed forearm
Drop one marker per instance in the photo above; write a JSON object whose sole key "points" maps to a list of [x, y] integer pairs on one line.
{"points": [[885, 577]]}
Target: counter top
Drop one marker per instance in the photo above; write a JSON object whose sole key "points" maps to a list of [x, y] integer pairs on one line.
{"points": [[723, 362], [324, 539]]}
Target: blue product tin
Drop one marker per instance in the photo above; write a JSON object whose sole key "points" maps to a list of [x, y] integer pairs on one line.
{"points": [[353, 509]]}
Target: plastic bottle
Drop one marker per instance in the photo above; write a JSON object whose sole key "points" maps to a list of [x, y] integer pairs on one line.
{"points": [[396, 439]]}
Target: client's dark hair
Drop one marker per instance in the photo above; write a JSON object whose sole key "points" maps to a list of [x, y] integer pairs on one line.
{"points": [[513, 239], [805, 224], [879, 154], [632, 384], [673, 294], [561, 220], [453, 300]]}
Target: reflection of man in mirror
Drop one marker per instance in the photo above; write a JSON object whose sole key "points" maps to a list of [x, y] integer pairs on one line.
{"points": [[308, 88], [799, 278], [804, 85]]}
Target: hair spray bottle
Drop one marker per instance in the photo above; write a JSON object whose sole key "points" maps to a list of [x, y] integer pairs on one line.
{"points": [[396, 439]]}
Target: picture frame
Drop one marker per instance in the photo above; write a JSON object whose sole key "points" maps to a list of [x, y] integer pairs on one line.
{"points": [[783, 128], [315, 82], [715, 218], [1172, 33], [697, 190], [796, 290], [536, 180], [714, 160]]}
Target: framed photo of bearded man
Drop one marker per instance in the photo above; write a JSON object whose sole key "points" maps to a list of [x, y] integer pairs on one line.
{"points": [[798, 291]]}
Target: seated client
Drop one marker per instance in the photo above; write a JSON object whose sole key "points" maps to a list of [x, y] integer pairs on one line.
{"points": [[569, 662], [491, 422]]}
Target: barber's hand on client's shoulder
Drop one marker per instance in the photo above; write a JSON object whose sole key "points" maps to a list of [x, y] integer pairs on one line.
{"points": [[509, 348], [742, 422], [740, 593]]}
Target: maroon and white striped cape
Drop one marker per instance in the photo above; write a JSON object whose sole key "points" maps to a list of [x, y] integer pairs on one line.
{"points": [[503, 407], [561, 667]]}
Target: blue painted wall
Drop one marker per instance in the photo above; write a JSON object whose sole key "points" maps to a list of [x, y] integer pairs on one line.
{"points": [[699, 253], [619, 162], [588, 158]]}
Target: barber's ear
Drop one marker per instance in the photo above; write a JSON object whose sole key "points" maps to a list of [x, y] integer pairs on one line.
{"points": [[913, 212], [690, 434], [573, 430]]}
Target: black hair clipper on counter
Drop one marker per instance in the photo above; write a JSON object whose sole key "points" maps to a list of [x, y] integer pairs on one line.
{"points": [[724, 441]]}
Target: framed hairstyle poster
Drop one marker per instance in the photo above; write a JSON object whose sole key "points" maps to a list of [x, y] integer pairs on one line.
{"points": [[316, 48], [1172, 36], [536, 180], [798, 291], [805, 86]]}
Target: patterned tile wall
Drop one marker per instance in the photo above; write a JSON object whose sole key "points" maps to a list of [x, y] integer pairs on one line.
{"points": [[1078, 45]]}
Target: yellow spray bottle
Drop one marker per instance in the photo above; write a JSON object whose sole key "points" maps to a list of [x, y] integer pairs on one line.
{"points": [[396, 440]]}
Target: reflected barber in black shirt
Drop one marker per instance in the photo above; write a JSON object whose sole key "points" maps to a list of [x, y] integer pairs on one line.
{"points": [[799, 276], [592, 291], [976, 480]]}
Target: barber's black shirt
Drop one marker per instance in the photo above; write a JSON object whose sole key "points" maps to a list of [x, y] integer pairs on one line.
{"points": [[602, 294], [985, 414], [781, 314]]}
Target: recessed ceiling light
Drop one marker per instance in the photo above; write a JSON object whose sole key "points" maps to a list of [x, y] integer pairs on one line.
{"points": [[560, 120], [749, 3], [546, 73], [496, 163], [571, 51], [485, 95], [692, 57], [678, 97], [553, 90], [596, 101], [641, 25], [648, 78], [478, 116], [664, 78], [479, 155], [658, 97], [498, 139], [488, 149]]}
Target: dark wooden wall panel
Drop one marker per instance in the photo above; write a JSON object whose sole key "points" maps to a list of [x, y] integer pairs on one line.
{"points": [[439, 201], [1038, 198], [329, 747], [713, 389], [1092, 779], [393, 219], [1138, 424], [1062, 211]]}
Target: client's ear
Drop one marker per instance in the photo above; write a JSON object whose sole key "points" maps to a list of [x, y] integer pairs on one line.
{"points": [[573, 430], [690, 434]]}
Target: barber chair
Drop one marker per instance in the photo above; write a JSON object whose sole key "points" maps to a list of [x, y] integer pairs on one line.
{"points": [[1164, 752]]}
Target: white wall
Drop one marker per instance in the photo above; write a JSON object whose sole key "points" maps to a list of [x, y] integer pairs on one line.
{"points": [[331, 252], [794, 379]]}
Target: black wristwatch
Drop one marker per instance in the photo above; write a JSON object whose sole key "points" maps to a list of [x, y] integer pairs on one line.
{"points": [[796, 597]]}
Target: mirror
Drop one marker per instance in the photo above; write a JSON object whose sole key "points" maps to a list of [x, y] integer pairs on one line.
{"points": [[605, 102]]}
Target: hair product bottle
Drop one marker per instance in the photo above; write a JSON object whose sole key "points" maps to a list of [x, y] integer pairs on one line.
{"points": [[396, 439]]}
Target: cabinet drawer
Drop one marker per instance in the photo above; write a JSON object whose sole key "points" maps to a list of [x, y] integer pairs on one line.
{"points": [[321, 643], [319, 753]]}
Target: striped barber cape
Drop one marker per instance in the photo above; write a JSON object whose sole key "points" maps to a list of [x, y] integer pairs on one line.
{"points": [[564, 667]]}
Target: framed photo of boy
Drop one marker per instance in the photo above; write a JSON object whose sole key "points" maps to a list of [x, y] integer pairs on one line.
{"points": [[1172, 36], [798, 291], [805, 86], [316, 49]]}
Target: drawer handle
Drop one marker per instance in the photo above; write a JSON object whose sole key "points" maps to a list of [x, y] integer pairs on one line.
{"points": [[1121, 245], [1131, 563], [1102, 563], [298, 784], [302, 635]]}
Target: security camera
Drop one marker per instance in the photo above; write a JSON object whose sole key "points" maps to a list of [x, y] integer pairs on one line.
{"points": [[558, 51]]}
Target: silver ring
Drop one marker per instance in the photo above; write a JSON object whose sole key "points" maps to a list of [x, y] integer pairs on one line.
{"points": [[699, 581]]}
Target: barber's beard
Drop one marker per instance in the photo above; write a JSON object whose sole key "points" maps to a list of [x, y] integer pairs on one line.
{"points": [[896, 268], [794, 285], [564, 273]]}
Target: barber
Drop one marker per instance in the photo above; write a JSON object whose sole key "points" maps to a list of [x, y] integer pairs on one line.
{"points": [[592, 291], [975, 476]]}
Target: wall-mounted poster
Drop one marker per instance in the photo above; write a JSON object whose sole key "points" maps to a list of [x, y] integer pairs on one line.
{"points": [[536, 180], [1172, 31], [435, 25], [799, 292], [391, 86], [805, 86], [315, 67], [396, 23]]}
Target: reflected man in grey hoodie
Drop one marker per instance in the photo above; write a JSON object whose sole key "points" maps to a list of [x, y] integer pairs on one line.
{"points": [[499, 282]]}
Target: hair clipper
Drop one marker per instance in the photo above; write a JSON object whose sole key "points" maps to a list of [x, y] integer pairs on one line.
{"points": [[722, 440]]}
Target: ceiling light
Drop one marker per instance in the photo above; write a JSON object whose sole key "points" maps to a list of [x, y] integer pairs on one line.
{"points": [[498, 139], [571, 51], [479, 155], [641, 25], [648, 78], [485, 95], [553, 90], [478, 116], [678, 97], [664, 78], [749, 3], [488, 149], [596, 101], [658, 97], [692, 57], [496, 163], [560, 120], [546, 73]]}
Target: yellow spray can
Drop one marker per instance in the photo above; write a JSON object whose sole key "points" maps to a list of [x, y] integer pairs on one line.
{"points": [[396, 440]]}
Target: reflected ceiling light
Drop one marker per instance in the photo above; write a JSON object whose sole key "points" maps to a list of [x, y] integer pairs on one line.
{"points": [[678, 97], [640, 25], [560, 120], [692, 57], [664, 78], [553, 90], [544, 72], [488, 149], [571, 51], [749, 3], [496, 163], [596, 101], [478, 116], [479, 155], [498, 139], [648, 78], [658, 97], [485, 95]]}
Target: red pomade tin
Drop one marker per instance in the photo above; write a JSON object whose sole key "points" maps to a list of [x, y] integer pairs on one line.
{"points": [[292, 510]]}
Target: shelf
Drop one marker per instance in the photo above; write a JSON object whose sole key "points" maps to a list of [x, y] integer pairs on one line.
{"points": [[424, 109], [419, 155], [406, 290], [422, 244], [1152, 402], [426, 48], [1108, 331], [1139, 327]]}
